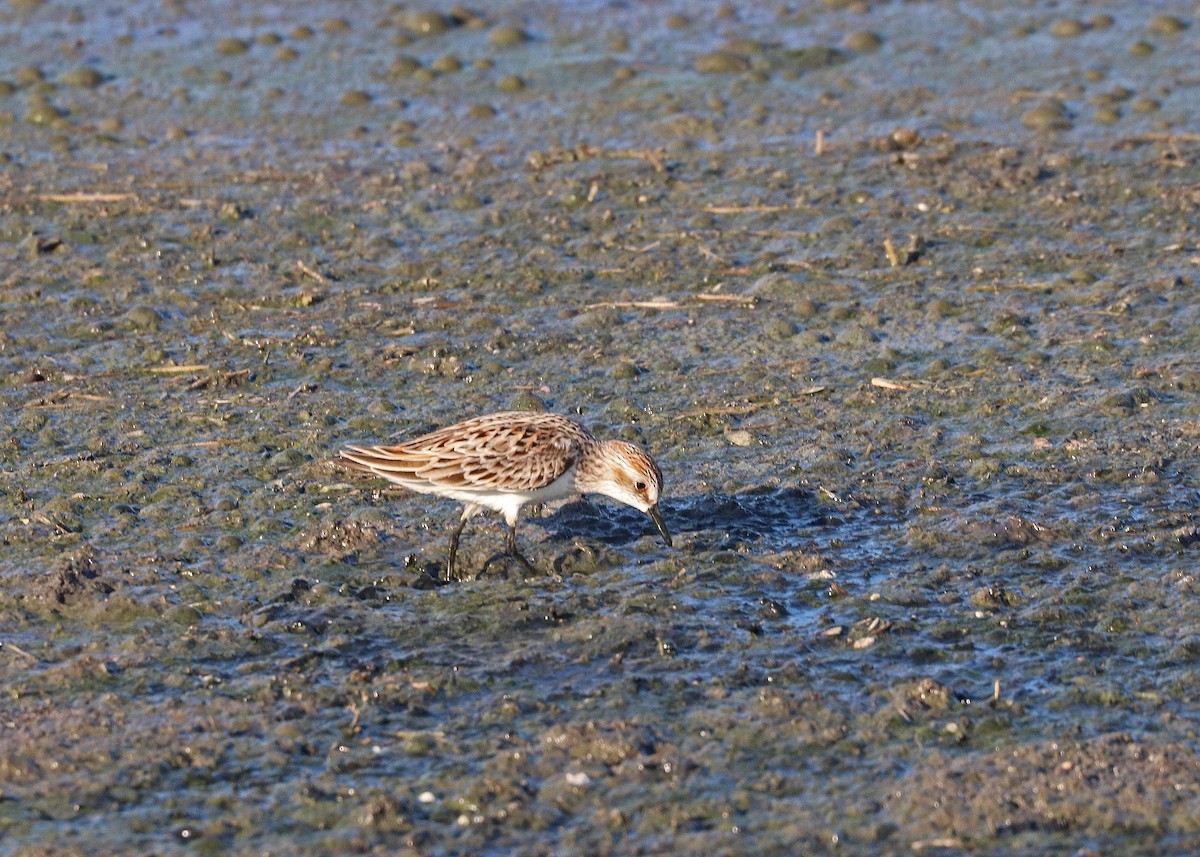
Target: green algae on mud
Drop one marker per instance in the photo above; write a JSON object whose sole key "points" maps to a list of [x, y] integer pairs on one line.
{"points": [[932, 585]]}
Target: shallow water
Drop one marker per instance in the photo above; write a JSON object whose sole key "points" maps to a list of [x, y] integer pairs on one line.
{"points": [[933, 496]]}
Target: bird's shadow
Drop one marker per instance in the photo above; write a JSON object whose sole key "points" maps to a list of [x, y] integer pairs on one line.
{"points": [[769, 513]]}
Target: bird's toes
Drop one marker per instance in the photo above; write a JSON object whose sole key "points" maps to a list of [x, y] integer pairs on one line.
{"points": [[425, 580]]}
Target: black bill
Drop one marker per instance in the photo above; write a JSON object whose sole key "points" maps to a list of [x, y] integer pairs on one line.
{"points": [[658, 522]]}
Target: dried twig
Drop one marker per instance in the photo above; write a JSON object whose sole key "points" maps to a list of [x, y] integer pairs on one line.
{"points": [[665, 303], [1167, 137], [889, 385], [660, 304], [709, 297], [728, 410], [745, 209], [357, 709], [735, 410], [178, 370], [890, 249], [85, 197], [312, 272], [655, 161], [91, 397], [17, 650], [650, 156], [920, 845]]}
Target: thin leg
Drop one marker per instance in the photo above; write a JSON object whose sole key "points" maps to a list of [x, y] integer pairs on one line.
{"points": [[511, 547], [454, 549]]}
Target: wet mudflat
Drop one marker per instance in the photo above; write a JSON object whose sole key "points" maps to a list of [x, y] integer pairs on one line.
{"points": [[902, 296]]}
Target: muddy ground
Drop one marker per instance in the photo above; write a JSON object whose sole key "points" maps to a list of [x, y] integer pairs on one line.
{"points": [[902, 296]]}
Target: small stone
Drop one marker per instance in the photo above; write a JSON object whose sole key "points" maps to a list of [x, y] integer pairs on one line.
{"points": [[43, 113], [143, 318], [507, 37], [903, 139], [427, 23], [403, 66], [184, 615], [528, 402], [510, 83], [1067, 28], [864, 42], [27, 75], [805, 307], [739, 437], [464, 202], [231, 46], [1050, 115], [779, 328], [83, 76], [448, 64], [992, 597], [858, 336], [721, 62], [1166, 25]]}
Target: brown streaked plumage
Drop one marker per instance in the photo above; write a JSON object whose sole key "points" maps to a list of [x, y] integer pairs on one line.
{"points": [[505, 460]]}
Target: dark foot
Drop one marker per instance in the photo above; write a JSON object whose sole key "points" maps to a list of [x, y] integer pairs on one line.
{"points": [[449, 570], [425, 580], [526, 564], [515, 553]]}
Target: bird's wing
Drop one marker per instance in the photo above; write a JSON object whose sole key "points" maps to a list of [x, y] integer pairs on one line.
{"points": [[506, 452]]}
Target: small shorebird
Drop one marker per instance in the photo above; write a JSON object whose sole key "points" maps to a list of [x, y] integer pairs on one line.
{"points": [[503, 461]]}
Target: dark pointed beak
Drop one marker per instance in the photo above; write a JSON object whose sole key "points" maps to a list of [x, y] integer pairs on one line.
{"points": [[656, 517]]}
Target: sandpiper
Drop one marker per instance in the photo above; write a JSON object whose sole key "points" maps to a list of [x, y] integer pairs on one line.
{"points": [[504, 460]]}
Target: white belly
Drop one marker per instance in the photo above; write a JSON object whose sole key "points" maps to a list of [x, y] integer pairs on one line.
{"points": [[508, 503]]}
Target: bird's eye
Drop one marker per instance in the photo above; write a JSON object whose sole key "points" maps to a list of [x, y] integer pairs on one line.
{"points": [[641, 486]]}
